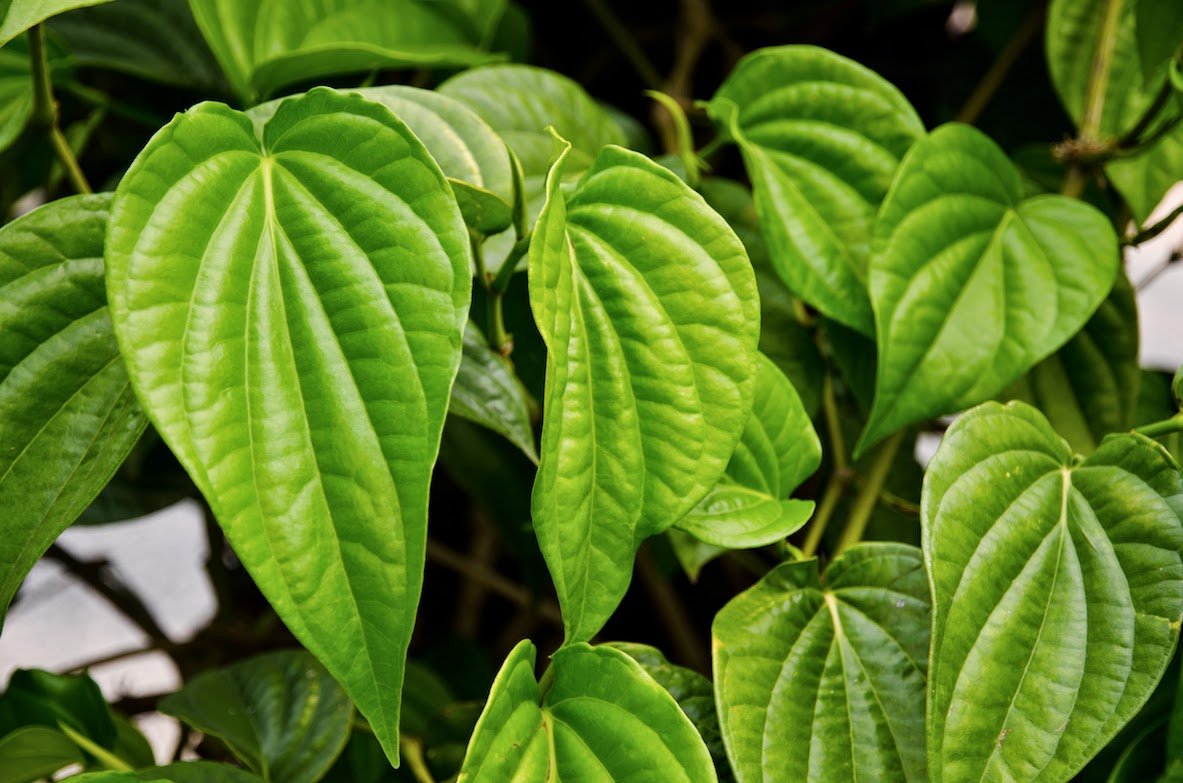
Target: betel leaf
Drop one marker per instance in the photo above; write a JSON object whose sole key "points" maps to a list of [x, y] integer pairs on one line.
{"points": [[821, 137], [972, 284], [487, 392], [647, 304], [1057, 588], [823, 680], [269, 44], [35, 697], [68, 415], [34, 753], [17, 16], [1095, 41], [182, 772], [1158, 28], [1088, 388], [281, 714], [16, 92], [778, 450], [293, 301], [597, 716]]}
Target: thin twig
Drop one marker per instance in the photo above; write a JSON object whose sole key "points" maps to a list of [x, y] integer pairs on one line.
{"points": [[45, 109], [514, 593], [1150, 232], [868, 496], [98, 576], [1001, 67]]}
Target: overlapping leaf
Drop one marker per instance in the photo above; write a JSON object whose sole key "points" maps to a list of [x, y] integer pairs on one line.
{"points": [[17, 16], [599, 716], [35, 753], [1058, 592], [68, 415], [647, 304], [973, 284], [821, 137], [292, 301], [184, 772], [825, 681], [487, 392]]}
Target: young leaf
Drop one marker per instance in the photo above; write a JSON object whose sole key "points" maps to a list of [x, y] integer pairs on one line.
{"points": [[973, 284], [487, 392], [68, 416], [824, 681], [33, 753], [280, 713], [599, 717], [292, 302], [1058, 591], [647, 304], [184, 772], [777, 451], [821, 137], [17, 16]]}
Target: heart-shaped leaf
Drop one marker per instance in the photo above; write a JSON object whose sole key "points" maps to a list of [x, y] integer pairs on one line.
{"points": [[281, 713], [647, 304], [821, 138], [293, 301], [777, 451], [16, 16], [266, 44], [973, 284], [487, 392], [68, 416], [824, 680], [598, 716], [1057, 588]]}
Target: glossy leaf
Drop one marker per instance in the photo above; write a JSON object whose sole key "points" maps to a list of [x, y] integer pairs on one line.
{"points": [[17, 16], [778, 450], [647, 304], [600, 717], [16, 92], [292, 303], [281, 713], [183, 772], [823, 680], [488, 393], [267, 44], [68, 416], [1088, 388], [821, 137], [1097, 40], [1058, 592], [32, 753], [39, 698], [973, 284]]}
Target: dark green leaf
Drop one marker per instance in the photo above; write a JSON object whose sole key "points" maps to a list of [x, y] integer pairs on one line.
{"points": [[185, 772], [40, 698], [17, 16], [1158, 27], [35, 752], [487, 392]]}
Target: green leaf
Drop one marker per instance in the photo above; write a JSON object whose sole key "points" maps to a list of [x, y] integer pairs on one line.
{"points": [[488, 393], [40, 698], [973, 284], [16, 92], [598, 717], [821, 137], [1089, 387], [269, 44], [1177, 387], [281, 713], [35, 752], [130, 744], [1058, 591], [68, 416], [293, 302], [1158, 26], [184, 772], [824, 680], [647, 304], [17, 16], [155, 40], [1096, 40], [777, 451]]}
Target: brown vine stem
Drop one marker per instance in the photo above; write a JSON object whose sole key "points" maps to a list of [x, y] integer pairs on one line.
{"points": [[994, 77], [45, 110], [868, 496], [1094, 96], [672, 614], [1150, 232]]}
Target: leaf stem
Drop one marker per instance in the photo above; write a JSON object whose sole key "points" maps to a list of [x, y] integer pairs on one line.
{"points": [[994, 77], [868, 496], [1150, 232], [825, 510], [1094, 96], [499, 339], [1164, 427], [412, 750], [834, 425], [45, 110], [105, 757]]}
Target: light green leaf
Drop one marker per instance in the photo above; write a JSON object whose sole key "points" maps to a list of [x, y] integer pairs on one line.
{"points": [[1096, 40], [823, 680], [1058, 592], [68, 416], [35, 752], [268, 44], [487, 392], [184, 772], [280, 713], [821, 137], [17, 16], [647, 304], [599, 716], [1088, 388], [973, 284], [293, 302], [777, 451]]}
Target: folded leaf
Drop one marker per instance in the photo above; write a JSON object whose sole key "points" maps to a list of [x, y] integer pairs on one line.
{"points": [[292, 300], [647, 304], [973, 284], [1058, 592]]}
